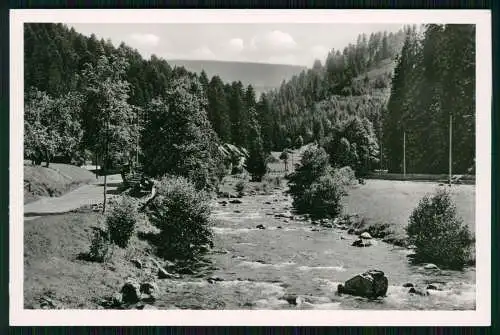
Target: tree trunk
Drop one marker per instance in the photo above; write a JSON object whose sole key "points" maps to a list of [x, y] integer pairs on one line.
{"points": [[105, 187], [47, 159]]}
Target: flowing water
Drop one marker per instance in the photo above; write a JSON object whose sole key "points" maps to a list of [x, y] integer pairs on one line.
{"points": [[254, 268]]}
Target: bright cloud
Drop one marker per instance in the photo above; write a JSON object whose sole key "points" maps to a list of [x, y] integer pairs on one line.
{"points": [[319, 52], [203, 53], [236, 44], [274, 40], [147, 40]]}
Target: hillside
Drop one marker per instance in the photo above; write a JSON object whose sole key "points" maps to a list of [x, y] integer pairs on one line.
{"points": [[261, 76], [55, 180]]}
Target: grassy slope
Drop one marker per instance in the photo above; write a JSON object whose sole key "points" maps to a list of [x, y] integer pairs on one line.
{"points": [[384, 201], [52, 245], [55, 180]]}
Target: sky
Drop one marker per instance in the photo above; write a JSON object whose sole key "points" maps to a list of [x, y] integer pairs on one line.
{"points": [[295, 44]]}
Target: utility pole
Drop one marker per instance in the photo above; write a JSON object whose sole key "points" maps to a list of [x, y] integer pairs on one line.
{"points": [[381, 165], [404, 154], [137, 141], [449, 153], [104, 167]]}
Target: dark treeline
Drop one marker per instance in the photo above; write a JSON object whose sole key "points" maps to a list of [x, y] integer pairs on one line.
{"points": [[109, 102], [433, 80]]}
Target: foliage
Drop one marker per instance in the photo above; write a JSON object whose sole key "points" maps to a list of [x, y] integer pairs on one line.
{"points": [[344, 176], [109, 118], [299, 142], [256, 163], [100, 247], [182, 213], [284, 157], [322, 198], [240, 187], [121, 221], [51, 125], [439, 235], [353, 144], [433, 80], [313, 164], [180, 139]]}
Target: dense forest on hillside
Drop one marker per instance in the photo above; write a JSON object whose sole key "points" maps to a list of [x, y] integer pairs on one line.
{"points": [[433, 84], [86, 98]]}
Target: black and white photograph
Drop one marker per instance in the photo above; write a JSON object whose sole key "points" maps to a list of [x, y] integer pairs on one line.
{"points": [[238, 162]]}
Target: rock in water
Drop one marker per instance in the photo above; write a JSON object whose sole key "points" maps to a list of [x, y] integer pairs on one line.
{"points": [[149, 288], [236, 201], [361, 243], [430, 266], [371, 284], [131, 292], [366, 236], [416, 291], [260, 226], [408, 285], [433, 287], [292, 299]]}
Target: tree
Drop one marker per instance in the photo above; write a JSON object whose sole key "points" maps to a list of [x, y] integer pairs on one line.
{"points": [[51, 126], [299, 142], [180, 140], [313, 164], [256, 162], [182, 213], [284, 157], [438, 234], [108, 118], [313, 186], [218, 111], [40, 140]]}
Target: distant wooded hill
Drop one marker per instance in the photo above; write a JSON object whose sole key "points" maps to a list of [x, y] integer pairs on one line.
{"points": [[262, 76]]}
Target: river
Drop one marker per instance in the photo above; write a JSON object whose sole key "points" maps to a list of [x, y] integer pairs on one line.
{"points": [[254, 268]]}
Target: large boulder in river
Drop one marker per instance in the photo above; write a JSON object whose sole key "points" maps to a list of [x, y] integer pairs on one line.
{"points": [[371, 284], [361, 243], [131, 292], [366, 236]]}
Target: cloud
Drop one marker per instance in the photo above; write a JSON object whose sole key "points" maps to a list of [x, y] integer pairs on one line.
{"points": [[236, 44], [147, 40], [275, 40], [203, 53], [319, 52]]}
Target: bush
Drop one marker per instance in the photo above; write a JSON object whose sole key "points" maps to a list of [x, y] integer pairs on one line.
{"points": [[240, 187], [344, 176], [313, 164], [322, 199], [271, 159], [100, 247], [439, 236], [317, 189], [121, 220], [182, 213]]}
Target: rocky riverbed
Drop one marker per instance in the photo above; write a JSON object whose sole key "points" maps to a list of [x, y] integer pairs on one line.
{"points": [[267, 258]]}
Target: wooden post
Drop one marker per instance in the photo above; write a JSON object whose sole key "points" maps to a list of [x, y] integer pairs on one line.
{"points": [[449, 153], [404, 154], [103, 168]]}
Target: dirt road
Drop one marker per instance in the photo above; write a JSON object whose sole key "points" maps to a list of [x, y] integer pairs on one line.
{"points": [[84, 195]]}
